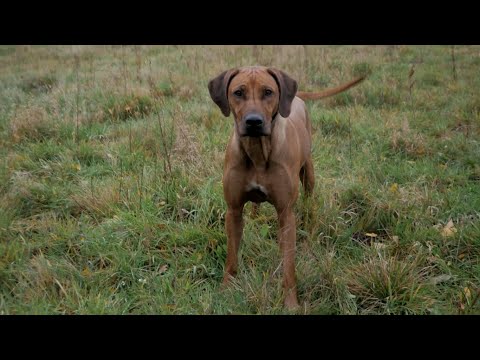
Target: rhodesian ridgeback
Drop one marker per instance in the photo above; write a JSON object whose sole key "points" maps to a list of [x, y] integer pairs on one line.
{"points": [[268, 154]]}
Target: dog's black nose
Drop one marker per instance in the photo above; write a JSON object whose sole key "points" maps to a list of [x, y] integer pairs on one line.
{"points": [[254, 120]]}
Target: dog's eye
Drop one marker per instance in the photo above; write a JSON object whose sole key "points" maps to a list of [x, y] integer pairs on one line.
{"points": [[268, 92], [238, 93]]}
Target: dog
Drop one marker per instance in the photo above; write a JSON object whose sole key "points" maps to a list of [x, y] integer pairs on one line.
{"points": [[268, 154]]}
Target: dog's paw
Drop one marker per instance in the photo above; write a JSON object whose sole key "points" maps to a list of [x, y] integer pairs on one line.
{"points": [[291, 302], [227, 279]]}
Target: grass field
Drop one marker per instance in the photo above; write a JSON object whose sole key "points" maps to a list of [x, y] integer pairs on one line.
{"points": [[111, 198]]}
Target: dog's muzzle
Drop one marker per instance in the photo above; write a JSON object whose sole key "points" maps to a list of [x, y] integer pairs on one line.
{"points": [[254, 125]]}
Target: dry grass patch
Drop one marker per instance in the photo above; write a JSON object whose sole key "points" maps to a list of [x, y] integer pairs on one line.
{"points": [[31, 123], [388, 285], [408, 142], [97, 200], [39, 83]]}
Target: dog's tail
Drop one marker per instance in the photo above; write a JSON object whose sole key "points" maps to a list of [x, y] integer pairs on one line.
{"points": [[329, 92]]}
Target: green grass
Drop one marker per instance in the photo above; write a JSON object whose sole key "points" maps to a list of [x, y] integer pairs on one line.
{"points": [[111, 199]]}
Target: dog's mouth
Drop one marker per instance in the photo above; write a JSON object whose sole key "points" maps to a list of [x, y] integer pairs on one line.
{"points": [[254, 133]]}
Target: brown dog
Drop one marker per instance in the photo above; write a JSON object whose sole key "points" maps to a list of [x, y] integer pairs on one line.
{"points": [[268, 154]]}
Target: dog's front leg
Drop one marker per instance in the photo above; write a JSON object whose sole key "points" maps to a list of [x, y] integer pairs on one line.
{"points": [[234, 227], [287, 239]]}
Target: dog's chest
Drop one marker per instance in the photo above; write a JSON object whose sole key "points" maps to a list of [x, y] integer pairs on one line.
{"points": [[256, 192]]}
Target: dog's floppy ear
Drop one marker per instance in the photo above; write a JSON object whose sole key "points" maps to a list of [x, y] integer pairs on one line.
{"points": [[218, 89], [288, 89]]}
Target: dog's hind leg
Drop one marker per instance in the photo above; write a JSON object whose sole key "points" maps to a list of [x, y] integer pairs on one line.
{"points": [[308, 181], [307, 176]]}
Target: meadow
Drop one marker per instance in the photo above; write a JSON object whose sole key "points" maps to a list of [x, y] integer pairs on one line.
{"points": [[111, 199]]}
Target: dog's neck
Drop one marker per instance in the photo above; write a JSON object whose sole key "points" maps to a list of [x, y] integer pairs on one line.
{"points": [[257, 149]]}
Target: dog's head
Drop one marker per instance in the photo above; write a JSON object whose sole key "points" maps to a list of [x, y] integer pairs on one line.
{"points": [[254, 95]]}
